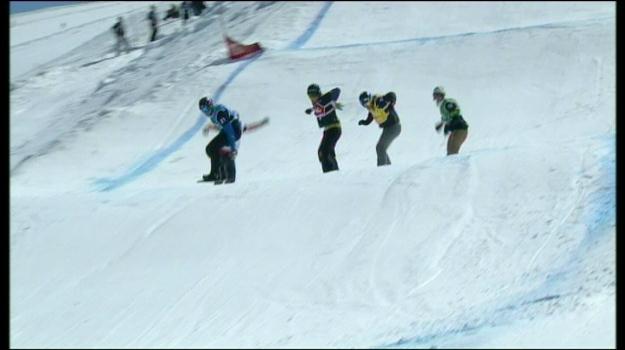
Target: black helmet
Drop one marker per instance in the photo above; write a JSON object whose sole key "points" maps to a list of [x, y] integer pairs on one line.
{"points": [[364, 98], [205, 103], [313, 90]]}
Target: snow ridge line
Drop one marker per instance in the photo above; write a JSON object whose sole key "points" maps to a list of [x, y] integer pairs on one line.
{"points": [[108, 184], [424, 40]]}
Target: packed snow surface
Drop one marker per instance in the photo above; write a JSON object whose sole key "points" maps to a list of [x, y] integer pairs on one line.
{"points": [[510, 243]]}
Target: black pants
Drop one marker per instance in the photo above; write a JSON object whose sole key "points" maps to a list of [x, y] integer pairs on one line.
{"points": [[222, 167], [121, 41], [326, 153], [388, 135], [153, 36]]}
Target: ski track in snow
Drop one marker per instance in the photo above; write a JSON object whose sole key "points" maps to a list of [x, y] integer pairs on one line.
{"points": [[573, 202], [137, 243], [545, 292]]}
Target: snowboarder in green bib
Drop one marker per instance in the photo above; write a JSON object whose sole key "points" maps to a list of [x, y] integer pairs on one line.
{"points": [[451, 120], [324, 107]]}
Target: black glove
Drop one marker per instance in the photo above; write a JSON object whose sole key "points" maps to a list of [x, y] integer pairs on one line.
{"points": [[438, 127], [308, 110], [362, 122]]}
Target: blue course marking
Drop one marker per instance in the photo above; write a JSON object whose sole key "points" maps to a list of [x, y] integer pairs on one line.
{"points": [[424, 40], [312, 28], [108, 184]]}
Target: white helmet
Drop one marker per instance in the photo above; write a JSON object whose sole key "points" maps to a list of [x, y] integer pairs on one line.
{"points": [[439, 90]]}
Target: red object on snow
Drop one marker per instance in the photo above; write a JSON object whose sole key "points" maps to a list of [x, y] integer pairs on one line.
{"points": [[240, 51]]}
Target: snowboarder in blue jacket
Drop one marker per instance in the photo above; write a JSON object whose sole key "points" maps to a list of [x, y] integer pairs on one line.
{"points": [[222, 150]]}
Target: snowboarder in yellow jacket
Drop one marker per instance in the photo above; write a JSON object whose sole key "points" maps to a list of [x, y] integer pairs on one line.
{"points": [[381, 108]]}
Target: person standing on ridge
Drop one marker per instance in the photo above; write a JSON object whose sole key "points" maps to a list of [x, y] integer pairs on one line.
{"points": [[324, 107], [451, 121], [382, 110], [120, 35], [185, 7], [153, 22]]}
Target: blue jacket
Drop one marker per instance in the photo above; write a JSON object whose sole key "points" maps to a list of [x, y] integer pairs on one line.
{"points": [[228, 122]]}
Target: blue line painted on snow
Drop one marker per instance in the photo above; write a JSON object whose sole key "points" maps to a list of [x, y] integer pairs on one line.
{"points": [[603, 202], [152, 161], [108, 184], [424, 40], [312, 28]]}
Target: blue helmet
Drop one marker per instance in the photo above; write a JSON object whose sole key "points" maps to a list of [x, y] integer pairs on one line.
{"points": [[206, 104]]}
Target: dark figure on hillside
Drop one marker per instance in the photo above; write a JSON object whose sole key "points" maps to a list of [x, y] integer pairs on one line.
{"points": [[172, 13], [185, 7], [197, 7], [120, 36], [153, 22]]}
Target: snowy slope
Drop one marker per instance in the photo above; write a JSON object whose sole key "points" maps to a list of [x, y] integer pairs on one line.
{"points": [[511, 243]]}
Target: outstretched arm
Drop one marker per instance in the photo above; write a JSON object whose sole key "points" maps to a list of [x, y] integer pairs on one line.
{"points": [[255, 125], [366, 121], [208, 127], [334, 94]]}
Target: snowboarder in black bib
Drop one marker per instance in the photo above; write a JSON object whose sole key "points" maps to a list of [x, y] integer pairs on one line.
{"points": [[324, 107]]}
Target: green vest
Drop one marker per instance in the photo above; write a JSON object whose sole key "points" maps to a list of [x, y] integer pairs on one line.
{"points": [[449, 110]]}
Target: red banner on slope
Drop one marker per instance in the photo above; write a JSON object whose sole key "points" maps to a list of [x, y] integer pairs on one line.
{"points": [[240, 51]]}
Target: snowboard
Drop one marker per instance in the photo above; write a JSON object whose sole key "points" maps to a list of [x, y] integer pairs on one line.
{"points": [[216, 182]]}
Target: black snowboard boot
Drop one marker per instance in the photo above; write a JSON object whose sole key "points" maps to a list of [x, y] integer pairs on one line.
{"points": [[210, 177]]}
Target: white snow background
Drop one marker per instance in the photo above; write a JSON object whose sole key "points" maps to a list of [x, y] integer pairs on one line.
{"points": [[510, 243]]}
